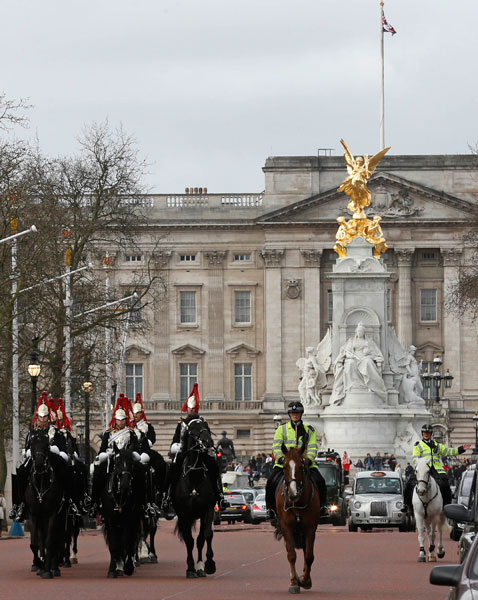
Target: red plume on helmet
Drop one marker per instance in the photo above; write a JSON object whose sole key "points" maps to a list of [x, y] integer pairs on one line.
{"points": [[60, 408], [193, 400], [139, 407], [123, 403]]}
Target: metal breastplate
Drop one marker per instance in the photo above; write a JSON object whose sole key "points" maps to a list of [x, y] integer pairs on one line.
{"points": [[120, 438]]}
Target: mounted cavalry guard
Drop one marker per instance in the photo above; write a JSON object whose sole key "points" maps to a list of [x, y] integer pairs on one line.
{"points": [[178, 444], [43, 420], [430, 448], [120, 434], [295, 433]]}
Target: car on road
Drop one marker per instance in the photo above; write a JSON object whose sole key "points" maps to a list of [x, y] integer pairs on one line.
{"points": [[377, 501], [330, 467], [249, 494], [238, 510], [259, 510], [462, 495], [461, 578]]}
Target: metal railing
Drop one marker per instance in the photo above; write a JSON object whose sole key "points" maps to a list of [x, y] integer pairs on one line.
{"points": [[206, 405]]}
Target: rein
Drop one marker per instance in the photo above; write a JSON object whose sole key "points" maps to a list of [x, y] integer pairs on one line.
{"points": [[300, 491], [114, 476], [427, 484]]}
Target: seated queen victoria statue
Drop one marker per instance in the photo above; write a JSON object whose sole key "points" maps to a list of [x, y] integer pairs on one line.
{"points": [[358, 365]]}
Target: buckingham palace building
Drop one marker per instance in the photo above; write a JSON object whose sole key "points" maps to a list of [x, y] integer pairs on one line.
{"points": [[247, 289]]}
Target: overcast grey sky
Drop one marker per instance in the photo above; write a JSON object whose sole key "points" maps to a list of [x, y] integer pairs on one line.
{"points": [[211, 88]]}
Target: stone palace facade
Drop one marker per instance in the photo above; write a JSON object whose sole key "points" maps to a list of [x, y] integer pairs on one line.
{"points": [[248, 289]]}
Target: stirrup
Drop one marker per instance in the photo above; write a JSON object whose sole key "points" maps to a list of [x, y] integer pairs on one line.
{"points": [[20, 513]]}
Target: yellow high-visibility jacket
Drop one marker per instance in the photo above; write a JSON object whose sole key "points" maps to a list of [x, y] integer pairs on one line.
{"points": [[435, 450], [286, 434]]}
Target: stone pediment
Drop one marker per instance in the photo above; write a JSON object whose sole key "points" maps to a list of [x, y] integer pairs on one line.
{"points": [[188, 348], [393, 198], [249, 350], [139, 349]]}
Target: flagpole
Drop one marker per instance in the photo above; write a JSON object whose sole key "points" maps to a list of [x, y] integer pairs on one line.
{"points": [[382, 90]]}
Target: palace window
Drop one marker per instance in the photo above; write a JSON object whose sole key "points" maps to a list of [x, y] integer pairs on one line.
{"points": [[188, 376], [428, 305], [187, 307], [133, 258], [243, 434], [242, 257], [187, 258], [242, 306], [243, 382], [136, 315], [134, 379]]}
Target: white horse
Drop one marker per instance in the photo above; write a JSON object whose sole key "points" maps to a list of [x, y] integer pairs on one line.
{"points": [[428, 508]]}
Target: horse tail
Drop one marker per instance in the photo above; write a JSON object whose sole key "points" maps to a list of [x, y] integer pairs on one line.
{"points": [[278, 533]]}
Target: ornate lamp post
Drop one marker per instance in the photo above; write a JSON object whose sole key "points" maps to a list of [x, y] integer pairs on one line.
{"points": [[432, 381], [87, 387], [34, 372]]}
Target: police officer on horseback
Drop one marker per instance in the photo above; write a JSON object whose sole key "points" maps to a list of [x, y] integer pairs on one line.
{"points": [[178, 444], [294, 433], [430, 448]]}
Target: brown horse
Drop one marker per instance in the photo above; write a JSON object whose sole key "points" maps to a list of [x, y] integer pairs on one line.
{"points": [[298, 512]]}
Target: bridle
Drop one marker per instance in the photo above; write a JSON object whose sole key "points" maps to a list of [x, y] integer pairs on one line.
{"points": [[288, 503], [420, 494]]}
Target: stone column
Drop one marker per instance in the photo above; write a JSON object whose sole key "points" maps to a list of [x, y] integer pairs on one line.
{"points": [[452, 330], [311, 325], [215, 311], [273, 398], [404, 325], [161, 359]]}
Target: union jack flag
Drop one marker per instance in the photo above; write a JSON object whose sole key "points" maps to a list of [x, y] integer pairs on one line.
{"points": [[387, 27]]}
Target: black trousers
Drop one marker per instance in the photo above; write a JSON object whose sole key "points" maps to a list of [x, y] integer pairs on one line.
{"points": [[275, 477]]}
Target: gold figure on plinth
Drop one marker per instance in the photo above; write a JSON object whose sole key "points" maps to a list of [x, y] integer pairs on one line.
{"points": [[360, 170]]}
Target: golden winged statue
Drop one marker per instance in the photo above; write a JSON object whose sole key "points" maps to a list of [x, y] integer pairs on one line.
{"points": [[360, 170]]}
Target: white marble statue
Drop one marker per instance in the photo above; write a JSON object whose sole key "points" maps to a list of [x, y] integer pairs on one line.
{"points": [[312, 372], [405, 365], [359, 362]]}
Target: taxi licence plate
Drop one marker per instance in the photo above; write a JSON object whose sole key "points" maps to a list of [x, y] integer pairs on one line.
{"points": [[375, 520]]}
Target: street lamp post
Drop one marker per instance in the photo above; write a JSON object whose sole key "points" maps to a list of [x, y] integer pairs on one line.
{"points": [[34, 372], [432, 381], [87, 387]]}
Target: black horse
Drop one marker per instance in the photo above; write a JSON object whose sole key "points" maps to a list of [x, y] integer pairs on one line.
{"points": [[156, 472], [45, 500], [122, 499], [194, 497]]}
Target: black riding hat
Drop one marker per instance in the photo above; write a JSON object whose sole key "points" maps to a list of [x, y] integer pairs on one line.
{"points": [[295, 406], [427, 428]]}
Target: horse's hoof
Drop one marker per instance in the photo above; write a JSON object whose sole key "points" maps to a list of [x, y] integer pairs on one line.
{"points": [[294, 589], [56, 573], [201, 573], [422, 559], [210, 567], [46, 575], [432, 559], [153, 560], [128, 567], [441, 554], [34, 569], [67, 564], [191, 574], [74, 561], [112, 575], [119, 572], [143, 561], [39, 571], [307, 585]]}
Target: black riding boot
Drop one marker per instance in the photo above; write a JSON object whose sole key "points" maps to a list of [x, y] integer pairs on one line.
{"points": [[408, 492], [444, 486], [271, 487], [321, 486]]}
